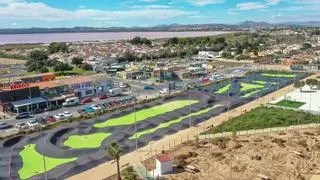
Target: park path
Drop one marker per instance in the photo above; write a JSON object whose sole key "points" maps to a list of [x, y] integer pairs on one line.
{"points": [[108, 169]]}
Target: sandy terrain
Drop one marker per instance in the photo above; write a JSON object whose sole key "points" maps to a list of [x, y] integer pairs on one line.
{"points": [[283, 155]]}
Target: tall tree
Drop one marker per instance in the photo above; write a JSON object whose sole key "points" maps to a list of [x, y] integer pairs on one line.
{"points": [[37, 59], [114, 151]]}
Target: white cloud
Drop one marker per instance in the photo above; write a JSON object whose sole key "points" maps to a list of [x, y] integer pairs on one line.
{"points": [[272, 2], [151, 7], [251, 6], [41, 11], [204, 2], [148, 1]]}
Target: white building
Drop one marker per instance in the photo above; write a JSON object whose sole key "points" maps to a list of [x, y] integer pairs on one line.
{"points": [[163, 165], [207, 54]]}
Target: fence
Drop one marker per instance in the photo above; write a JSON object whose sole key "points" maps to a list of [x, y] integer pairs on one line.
{"points": [[259, 131]]}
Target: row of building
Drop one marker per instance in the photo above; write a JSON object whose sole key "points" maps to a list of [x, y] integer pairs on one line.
{"points": [[26, 95]]}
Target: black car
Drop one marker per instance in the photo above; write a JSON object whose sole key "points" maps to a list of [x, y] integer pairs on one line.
{"points": [[37, 111], [4, 126], [23, 115], [41, 120]]}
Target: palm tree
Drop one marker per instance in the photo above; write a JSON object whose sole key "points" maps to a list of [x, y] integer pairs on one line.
{"points": [[114, 151]]}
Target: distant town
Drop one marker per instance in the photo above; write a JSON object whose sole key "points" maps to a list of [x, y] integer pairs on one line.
{"points": [[240, 103]]}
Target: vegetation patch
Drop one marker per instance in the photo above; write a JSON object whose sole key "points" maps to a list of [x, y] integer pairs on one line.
{"points": [[146, 113], [290, 104], [86, 141], [32, 162], [263, 117]]}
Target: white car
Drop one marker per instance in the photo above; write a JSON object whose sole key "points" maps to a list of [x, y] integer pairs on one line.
{"points": [[60, 116], [96, 107], [33, 123], [21, 125], [164, 91], [67, 114]]}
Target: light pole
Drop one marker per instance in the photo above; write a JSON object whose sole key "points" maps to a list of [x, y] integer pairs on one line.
{"points": [[190, 121], [43, 157], [135, 124]]}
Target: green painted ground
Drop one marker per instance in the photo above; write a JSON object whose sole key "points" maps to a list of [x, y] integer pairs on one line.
{"points": [[247, 87], [279, 75], [32, 162], [86, 141], [253, 92], [169, 123], [264, 82], [290, 104], [146, 113], [223, 90]]}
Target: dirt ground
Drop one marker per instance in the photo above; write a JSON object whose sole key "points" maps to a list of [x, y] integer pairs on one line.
{"points": [[281, 156], [6, 61]]}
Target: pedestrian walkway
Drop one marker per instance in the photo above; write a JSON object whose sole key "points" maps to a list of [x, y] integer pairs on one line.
{"points": [[108, 169]]}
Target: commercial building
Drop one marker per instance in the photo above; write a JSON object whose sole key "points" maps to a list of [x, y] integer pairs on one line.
{"points": [[22, 100], [56, 91]]}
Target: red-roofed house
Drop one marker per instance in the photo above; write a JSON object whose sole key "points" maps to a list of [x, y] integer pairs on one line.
{"points": [[163, 164]]}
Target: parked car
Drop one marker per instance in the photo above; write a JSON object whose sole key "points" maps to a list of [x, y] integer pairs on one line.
{"points": [[37, 111], [71, 102], [96, 107], [50, 119], [41, 120], [67, 114], [148, 88], [22, 125], [33, 123], [51, 108], [60, 116], [102, 97], [164, 91], [24, 115], [4, 126], [86, 100]]}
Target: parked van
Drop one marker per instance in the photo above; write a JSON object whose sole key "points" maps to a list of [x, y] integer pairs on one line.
{"points": [[71, 102], [115, 92]]}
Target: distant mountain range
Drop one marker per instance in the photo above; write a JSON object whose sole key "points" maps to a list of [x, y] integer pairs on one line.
{"points": [[165, 27]]}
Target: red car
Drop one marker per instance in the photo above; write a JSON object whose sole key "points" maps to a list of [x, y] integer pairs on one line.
{"points": [[103, 97], [50, 119], [86, 100]]}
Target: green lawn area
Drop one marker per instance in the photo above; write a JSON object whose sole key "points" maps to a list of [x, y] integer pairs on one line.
{"points": [[32, 162], [279, 75], [223, 89], [146, 113], [169, 123], [262, 117], [253, 92], [247, 87], [290, 104], [86, 141]]}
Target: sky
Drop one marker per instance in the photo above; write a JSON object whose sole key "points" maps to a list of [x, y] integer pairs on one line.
{"points": [[128, 13]]}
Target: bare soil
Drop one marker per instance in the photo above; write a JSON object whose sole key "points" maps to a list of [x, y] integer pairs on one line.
{"points": [[283, 155]]}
